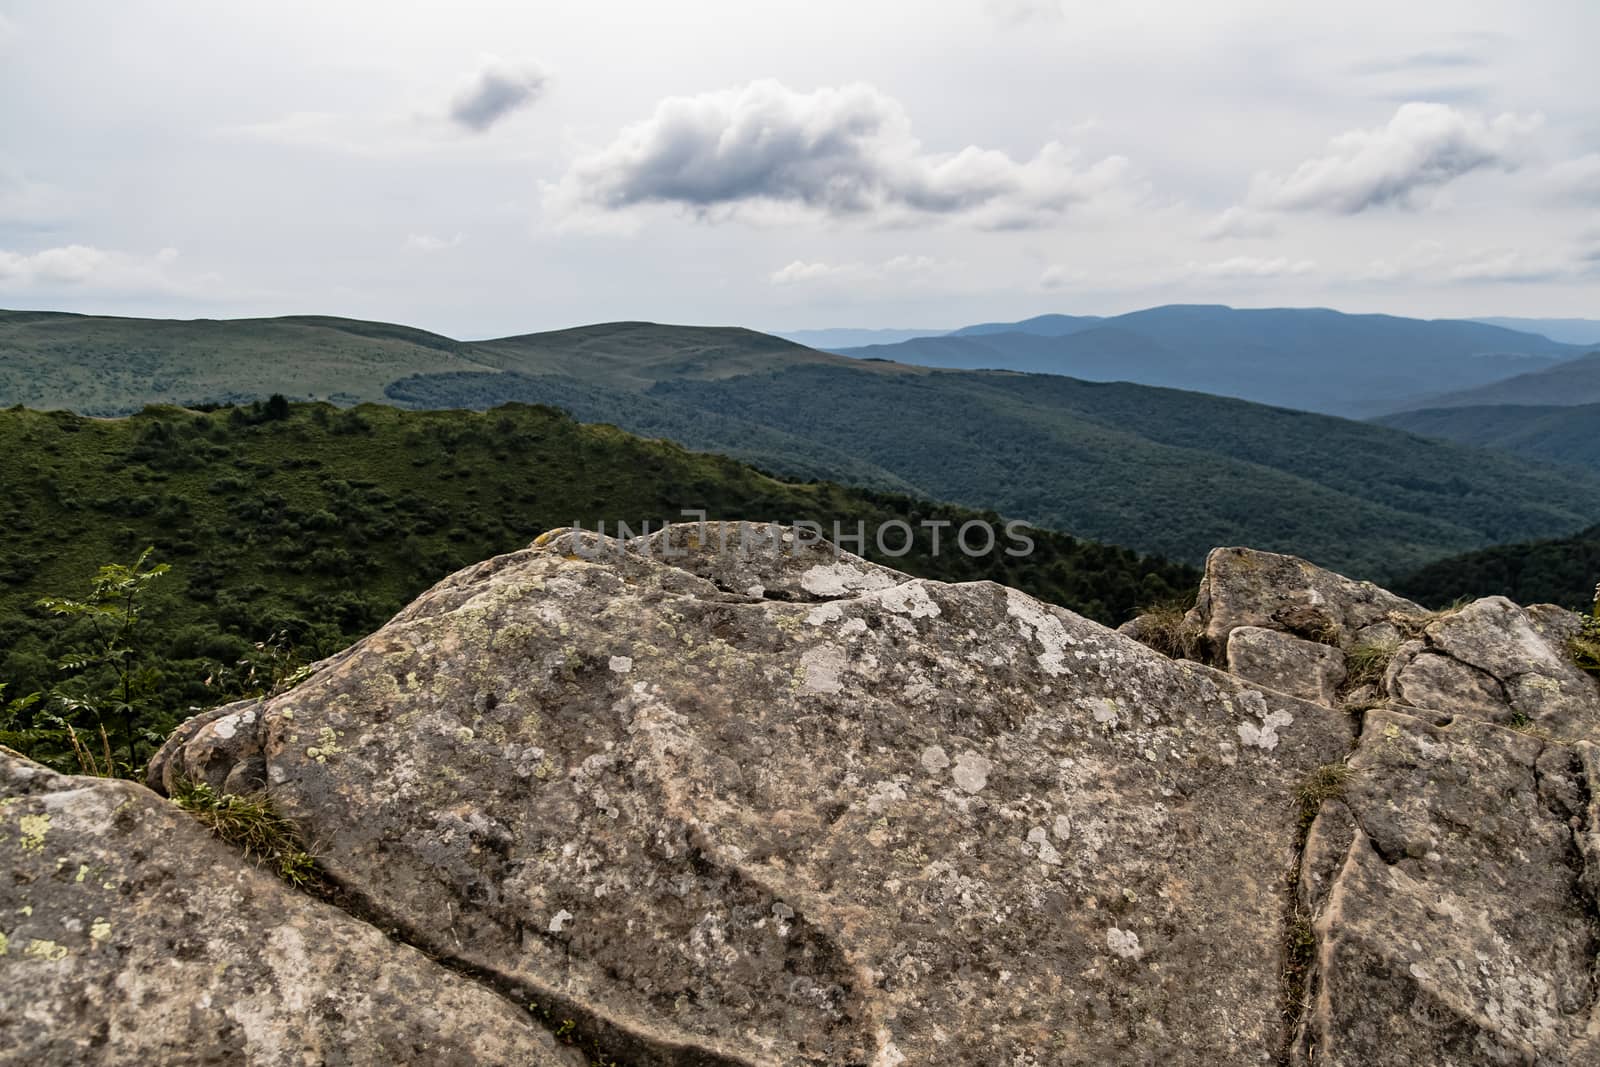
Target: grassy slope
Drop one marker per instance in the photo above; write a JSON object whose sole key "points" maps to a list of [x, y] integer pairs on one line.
{"points": [[325, 524], [102, 365], [1569, 435]]}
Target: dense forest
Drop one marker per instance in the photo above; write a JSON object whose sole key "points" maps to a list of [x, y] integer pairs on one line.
{"points": [[289, 531], [1560, 571]]}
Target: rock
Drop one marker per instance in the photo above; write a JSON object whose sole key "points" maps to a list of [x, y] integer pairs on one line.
{"points": [[1488, 660], [1460, 926], [1540, 681], [129, 935], [1244, 587], [1290, 665], [1428, 680], [796, 809]]}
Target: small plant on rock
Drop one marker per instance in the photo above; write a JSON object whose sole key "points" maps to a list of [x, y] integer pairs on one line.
{"points": [[1585, 647], [1165, 627], [251, 824], [1366, 664], [1323, 784]]}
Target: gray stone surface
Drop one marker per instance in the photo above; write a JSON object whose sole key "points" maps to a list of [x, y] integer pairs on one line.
{"points": [[1292, 665], [1460, 925], [847, 818], [128, 935], [1246, 587]]}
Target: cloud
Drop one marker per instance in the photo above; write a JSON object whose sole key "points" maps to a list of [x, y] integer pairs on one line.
{"points": [[1433, 262], [494, 91], [1423, 146], [1577, 179], [900, 268], [87, 267], [1253, 267], [427, 242], [1022, 12], [28, 202], [836, 153], [1240, 222]]}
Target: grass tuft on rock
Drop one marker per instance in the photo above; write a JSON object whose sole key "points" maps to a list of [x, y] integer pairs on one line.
{"points": [[1366, 664], [1165, 627], [251, 824], [1323, 784]]}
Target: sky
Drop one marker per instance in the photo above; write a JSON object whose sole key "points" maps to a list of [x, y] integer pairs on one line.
{"points": [[486, 169]]}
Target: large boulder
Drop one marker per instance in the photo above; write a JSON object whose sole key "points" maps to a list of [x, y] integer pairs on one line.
{"points": [[783, 807], [129, 935]]}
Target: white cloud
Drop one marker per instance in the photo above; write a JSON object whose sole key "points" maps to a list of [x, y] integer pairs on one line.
{"points": [[494, 91], [1253, 267], [427, 242], [1240, 222], [1434, 263], [86, 267], [1424, 146], [1577, 179], [1022, 12], [837, 153], [905, 269], [29, 202]]}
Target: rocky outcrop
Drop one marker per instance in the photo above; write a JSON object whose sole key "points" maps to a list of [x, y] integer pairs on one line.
{"points": [[799, 809], [726, 796], [1450, 883], [129, 935]]}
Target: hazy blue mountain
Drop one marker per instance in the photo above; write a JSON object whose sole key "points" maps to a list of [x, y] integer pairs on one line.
{"points": [[1567, 331], [846, 337], [1043, 325], [1573, 381], [1568, 434], [1308, 358]]}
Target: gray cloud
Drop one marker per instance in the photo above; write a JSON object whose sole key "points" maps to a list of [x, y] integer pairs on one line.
{"points": [[838, 152], [1577, 179], [1424, 146], [495, 90]]}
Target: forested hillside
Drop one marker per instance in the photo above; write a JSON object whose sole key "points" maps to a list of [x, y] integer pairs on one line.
{"points": [[1568, 434], [306, 527], [1558, 571]]}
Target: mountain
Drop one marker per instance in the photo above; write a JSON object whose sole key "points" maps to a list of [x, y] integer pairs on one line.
{"points": [[1573, 381], [1557, 571], [845, 337], [100, 365], [1162, 471], [1557, 434], [1568, 331], [1039, 325], [1308, 358]]}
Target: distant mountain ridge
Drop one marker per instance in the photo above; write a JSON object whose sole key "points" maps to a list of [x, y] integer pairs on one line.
{"points": [[1313, 359], [1567, 331], [1574, 381], [1157, 470]]}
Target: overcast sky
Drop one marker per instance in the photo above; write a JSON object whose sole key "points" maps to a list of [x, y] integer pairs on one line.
{"points": [[483, 169]]}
